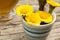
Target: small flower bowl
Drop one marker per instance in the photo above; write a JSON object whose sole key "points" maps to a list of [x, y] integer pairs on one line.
{"points": [[33, 30], [39, 28]]}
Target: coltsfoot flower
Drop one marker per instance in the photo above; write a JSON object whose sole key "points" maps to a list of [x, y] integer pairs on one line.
{"points": [[45, 17], [24, 9], [33, 19], [53, 2]]}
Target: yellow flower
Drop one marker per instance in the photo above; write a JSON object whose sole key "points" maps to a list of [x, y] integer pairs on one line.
{"points": [[45, 17], [33, 19], [53, 3], [24, 9]]}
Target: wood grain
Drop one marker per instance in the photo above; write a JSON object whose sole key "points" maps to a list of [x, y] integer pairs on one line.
{"points": [[13, 30]]}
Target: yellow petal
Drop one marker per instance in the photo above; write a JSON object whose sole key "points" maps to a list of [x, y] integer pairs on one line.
{"points": [[33, 19], [45, 17], [49, 20], [24, 9], [53, 3]]}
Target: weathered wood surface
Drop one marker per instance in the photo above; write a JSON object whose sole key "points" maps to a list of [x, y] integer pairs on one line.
{"points": [[13, 30]]}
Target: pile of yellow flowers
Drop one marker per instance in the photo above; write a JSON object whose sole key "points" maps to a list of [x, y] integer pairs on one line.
{"points": [[32, 17]]}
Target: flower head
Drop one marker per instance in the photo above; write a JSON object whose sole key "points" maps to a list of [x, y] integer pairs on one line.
{"points": [[33, 19], [53, 2], [24, 10], [45, 17]]}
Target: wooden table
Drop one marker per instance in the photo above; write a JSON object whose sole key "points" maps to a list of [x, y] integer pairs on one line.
{"points": [[13, 30]]}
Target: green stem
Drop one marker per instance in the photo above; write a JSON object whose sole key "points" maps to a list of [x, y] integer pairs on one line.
{"points": [[41, 4], [51, 8]]}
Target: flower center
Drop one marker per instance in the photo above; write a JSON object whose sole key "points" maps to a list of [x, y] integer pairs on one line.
{"points": [[44, 15], [24, 11]]}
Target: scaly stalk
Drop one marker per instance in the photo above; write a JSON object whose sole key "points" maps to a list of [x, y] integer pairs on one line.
{"points": [[51, 8], [41, 4]]}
